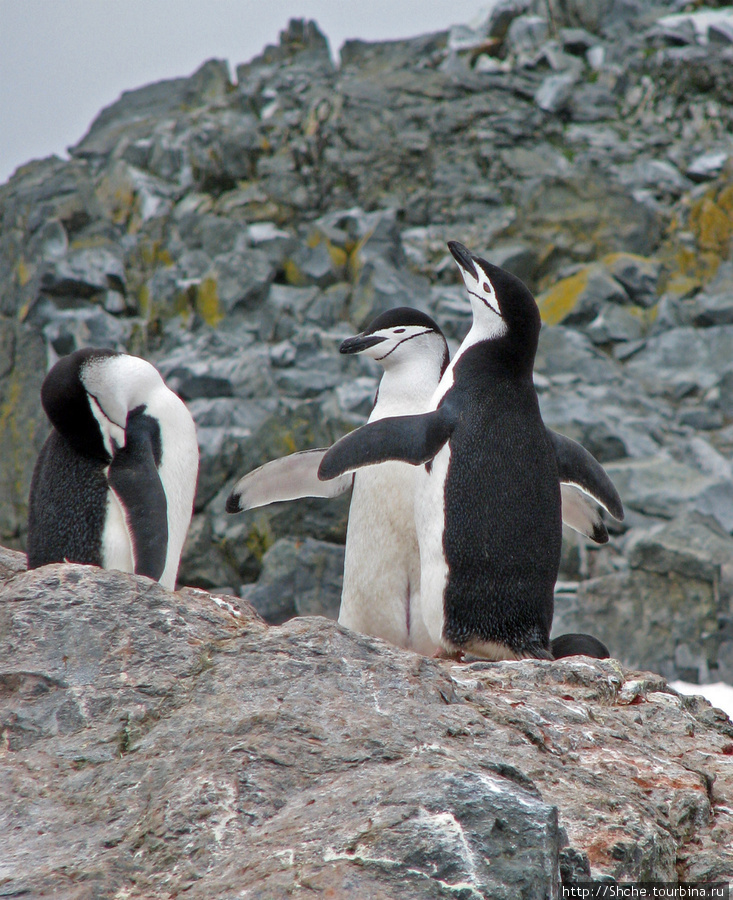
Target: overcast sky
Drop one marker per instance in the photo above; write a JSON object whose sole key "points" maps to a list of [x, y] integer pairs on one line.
{"points": [[61, 61]]}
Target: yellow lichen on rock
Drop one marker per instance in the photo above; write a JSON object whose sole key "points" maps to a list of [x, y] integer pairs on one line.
{"points": [[560, 300], [22, 272], [207, 302], [293, 274], [711, 225]]}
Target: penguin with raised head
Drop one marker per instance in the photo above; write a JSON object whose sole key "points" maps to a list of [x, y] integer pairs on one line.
{"points": [[381, 575], [381, 589], [488, 498], [114, 483]]}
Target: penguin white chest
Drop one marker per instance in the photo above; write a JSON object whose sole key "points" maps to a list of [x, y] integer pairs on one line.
{"points": [[430, 525], [116, 539]]}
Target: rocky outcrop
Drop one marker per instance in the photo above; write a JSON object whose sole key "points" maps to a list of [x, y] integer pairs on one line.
{"points": [[235, 232], [155, 743]]}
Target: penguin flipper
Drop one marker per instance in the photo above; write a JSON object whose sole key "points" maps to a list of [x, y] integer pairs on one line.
{"points": [[411, 439], [288, 478], [578, 468], [133, 476], [581, 514]]}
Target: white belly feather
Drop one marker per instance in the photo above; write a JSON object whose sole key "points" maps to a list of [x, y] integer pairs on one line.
{"points": [[429, 522], [116, 539]]}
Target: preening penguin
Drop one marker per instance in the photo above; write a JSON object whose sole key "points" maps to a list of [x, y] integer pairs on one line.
{"points": [[115, 481], [488, 498], [382, 564]]}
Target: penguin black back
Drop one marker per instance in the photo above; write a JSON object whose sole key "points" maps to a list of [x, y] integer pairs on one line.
{"points": [[67, 506], [503, 518]]}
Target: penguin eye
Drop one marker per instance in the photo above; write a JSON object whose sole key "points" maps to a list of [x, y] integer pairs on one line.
{"points": [[487, 287]]}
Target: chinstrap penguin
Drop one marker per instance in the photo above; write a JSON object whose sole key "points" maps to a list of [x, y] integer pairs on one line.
{"points": [[488, 500], [115, 480], [381, 535], [381, 585]]}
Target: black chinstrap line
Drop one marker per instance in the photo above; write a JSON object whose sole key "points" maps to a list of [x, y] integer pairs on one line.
{"points": [[486, 303], [403, 341]]}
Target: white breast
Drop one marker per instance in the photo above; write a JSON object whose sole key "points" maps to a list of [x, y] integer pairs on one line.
{"points": [[429, 523], [178, 472], [381, 592], [116, 540]]}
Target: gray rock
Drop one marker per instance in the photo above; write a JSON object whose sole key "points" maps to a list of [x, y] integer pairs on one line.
{"points": [[609, 422], [701, 418], [519, 259], [85, 324], [153, 101], [592, 103], [380, 286], [84, 273], [712, 310], [658, 486], [298, 578], [565, 351], [329, 307], [23, 426], [555, 92], [275, 242], [660, 176], [533, 161], [707, 166], [311, 376], [614, 323], [675, 30], [683, 360], [723, 393], [688, 546], [501, 16], [717, 502], [637, 274], [204, 564], [224, 150], [577, 40], [646, 615], [242, 279], [721, 32], [319, 754], [526, 34]]}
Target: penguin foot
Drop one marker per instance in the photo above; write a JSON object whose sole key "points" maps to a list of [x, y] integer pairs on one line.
{"points": [[578, 645], [455, 655]]}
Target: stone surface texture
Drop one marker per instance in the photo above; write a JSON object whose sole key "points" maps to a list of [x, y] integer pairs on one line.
{"points": [[235, 231], [159, 744]]}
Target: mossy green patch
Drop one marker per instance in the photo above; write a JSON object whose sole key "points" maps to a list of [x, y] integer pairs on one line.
{"points": [[560, 300]]}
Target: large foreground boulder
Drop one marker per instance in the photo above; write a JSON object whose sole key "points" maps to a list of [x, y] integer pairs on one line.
{"points": [[158, 744]]}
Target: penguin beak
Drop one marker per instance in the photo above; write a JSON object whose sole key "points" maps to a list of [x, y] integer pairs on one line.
{"points": [[463, 257], [360, 342]]}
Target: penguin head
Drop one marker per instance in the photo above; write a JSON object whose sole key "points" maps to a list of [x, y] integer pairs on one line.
{"points": [[89, 394], [400, 335], [503, 306]]}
